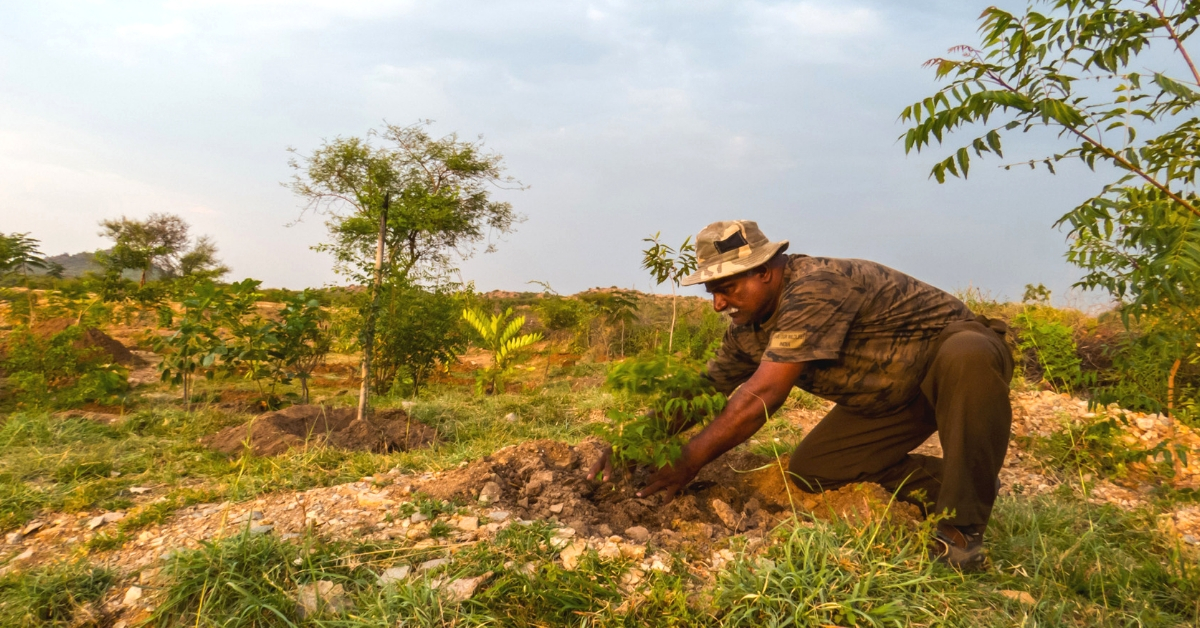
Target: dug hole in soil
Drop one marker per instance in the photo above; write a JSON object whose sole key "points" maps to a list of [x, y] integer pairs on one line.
{"points": [[300, 426], [740, 492]]}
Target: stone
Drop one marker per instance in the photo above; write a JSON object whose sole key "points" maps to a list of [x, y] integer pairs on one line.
{"points": [[394, 575], [432, 564], [490, 493], [571, 553], [95, 522], [26, 555], [418, 517], [1191, 540], [498, 515], [14, 538], [319, 598], [468, 524], [556, 508], [132, 596], [538, 481], [637, 533], [253, 515], [604, 530], [726, 514], [462, 589], [1020, 596], [511, 417], [138, 490], [32, 528], [262, 529], [752, 506], [374, 500]]}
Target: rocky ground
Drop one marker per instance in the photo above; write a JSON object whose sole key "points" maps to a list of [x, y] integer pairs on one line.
{"points": [[741, 495]]}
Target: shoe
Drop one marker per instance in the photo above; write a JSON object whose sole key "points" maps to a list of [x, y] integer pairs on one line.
{"points": [[958, 549]]}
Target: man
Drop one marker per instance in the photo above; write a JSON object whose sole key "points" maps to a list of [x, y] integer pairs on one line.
{"points": [[900, 358]]}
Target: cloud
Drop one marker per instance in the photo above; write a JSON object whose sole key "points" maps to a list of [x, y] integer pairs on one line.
{"points": [[817, 32]]}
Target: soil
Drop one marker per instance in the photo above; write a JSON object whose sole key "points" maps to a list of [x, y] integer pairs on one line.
{"points": [[738, 493], [274, 433], [92, 338]]}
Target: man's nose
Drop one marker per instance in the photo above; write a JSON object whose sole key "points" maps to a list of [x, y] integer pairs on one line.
{"points": [[719, 303]]}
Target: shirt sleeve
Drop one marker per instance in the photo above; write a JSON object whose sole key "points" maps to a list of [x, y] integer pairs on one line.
{"points": [[732, 366], [815, 315]]}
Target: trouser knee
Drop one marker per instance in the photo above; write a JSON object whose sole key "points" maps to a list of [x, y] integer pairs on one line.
{"points": [[809, 479]]}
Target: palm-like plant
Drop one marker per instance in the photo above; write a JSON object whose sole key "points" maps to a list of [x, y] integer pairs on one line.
{"points": [[502, 337]]}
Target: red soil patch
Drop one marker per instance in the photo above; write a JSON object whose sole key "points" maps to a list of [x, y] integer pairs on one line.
{"points": [[312, 425]]}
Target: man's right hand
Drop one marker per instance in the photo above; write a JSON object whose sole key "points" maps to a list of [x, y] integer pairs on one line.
{"points": [[603, 466]]}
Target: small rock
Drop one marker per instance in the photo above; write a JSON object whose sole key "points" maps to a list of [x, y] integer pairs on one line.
{"points": [[262, 529], [393, 575], [138, 490], [1020, 596], [511, 417], [26, 555], [498, 515], [1191, 540], [490, 493], [32, 528], [556, 508], [604, 530], [637, 533], [374, 500], [13, 538], [462, 589], [321, 597], [726, 514], [418, 517], [95, 522], [433, 564], [132, 596], [468, 524], [571, 553], [752, 506]]}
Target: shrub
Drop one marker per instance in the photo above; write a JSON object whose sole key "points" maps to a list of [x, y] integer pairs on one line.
{"points": [[669, 396], [417, 329], [500, 335], [1052, 344], [58, 371]]}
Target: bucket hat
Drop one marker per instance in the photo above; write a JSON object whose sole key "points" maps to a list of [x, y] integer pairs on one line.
{"points": [[730, 247]]}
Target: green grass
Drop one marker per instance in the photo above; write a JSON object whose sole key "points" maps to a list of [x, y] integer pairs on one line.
{"points": [[60, 594]]}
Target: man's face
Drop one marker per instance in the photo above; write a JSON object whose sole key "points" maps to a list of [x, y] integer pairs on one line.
{"points": [[747, 297]]}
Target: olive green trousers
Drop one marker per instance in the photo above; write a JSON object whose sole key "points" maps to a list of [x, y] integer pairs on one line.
{"points": [[964, 398]]}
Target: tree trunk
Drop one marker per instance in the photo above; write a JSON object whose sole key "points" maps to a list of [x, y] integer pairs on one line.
{"points": [[1171, 387], [369, 323], [145, 271], [304, 387], [671, 337]]}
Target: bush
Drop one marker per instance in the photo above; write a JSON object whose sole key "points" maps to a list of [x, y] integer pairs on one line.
{"points": [[417, 329], [1051, 343], [668, 396], [53, 595], [57, 371]]}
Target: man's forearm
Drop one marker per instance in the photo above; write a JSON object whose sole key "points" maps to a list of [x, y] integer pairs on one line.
{"points": [[745, 414]]}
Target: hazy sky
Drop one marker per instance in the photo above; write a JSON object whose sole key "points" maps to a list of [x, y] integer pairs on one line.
{"points": [[623, 118]]}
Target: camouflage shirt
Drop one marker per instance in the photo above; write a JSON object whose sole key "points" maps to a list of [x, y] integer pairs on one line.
{"points": [[863, 328]]}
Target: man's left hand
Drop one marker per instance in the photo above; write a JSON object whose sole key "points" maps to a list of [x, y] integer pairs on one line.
{"points": [[673, 478]]}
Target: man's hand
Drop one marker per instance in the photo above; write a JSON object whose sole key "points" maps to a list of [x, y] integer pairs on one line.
{"points": [[673, 477], [603, 466]]}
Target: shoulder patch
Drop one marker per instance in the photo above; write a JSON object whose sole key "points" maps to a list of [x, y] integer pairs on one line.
{"points": [[786, 340]]}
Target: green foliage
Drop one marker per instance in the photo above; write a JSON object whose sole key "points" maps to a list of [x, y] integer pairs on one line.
{"points": [[418, 328], [1139, 359], [501, 334], [160, 244], [19, 253], [1094, 72], [666, 265], [59, 594], [195, 346], [667, 396], [302, 339], [1098, 448], [58, 371], [1053, 345], [439, 199]]}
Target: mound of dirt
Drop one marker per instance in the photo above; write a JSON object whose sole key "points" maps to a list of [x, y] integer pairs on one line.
{"points": [[92, 338], [304, 425], [739, 492]]}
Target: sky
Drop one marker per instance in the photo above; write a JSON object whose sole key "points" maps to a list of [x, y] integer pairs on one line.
{"points": [[622, 119]]}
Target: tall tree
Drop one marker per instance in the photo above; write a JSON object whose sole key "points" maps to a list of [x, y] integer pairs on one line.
{"points": [[405, 198], [161, 241], [1114, 80], [20, 253]]}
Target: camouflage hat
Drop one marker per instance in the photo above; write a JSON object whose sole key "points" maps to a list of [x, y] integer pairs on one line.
{"points": [[729, 247]]}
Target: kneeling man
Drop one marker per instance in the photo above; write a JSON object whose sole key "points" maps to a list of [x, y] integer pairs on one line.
{"points": [[900, 358]]}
